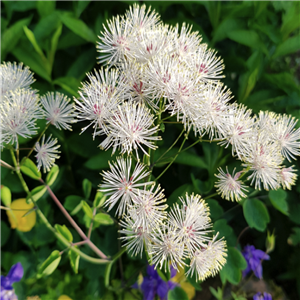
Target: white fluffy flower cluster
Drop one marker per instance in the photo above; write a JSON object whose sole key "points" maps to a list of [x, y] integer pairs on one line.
{"points": [[169, 238], [21, 107], [154, 67]]}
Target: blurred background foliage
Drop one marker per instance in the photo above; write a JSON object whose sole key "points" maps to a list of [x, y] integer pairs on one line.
{"points": [[260, 44]]}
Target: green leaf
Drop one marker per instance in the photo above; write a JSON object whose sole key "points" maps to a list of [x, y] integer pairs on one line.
{"points": [[5, 233], [278, 200], [54, 42], [36, 47], [52, 175], [248, 38], [217, 293], [64, 231], [83, 64], [99, 161], [289, 46], [177, 294], [5, 195], [88, 211], [69, 84], [50, 264], [284, 81], [216, 210], [232, 269], [256, 214], [223, 228], [291, 20], [36, 193], [162, 127], [29, 168], [78, 27], [74, 260], [80, 6], [28, 57], [87, 188], [45, 8], [72, 201], [99, 200], [11, 36], [103, 219]]}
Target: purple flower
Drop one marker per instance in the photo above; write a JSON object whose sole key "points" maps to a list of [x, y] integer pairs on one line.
{"points": [[260, 296], [15, 274], [153, 285], [254, 258]]}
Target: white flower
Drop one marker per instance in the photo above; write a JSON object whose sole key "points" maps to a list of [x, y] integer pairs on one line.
{"points": [[206, 64], [130, 128], [115, 41], [121, 183], [19, 112], [263, 159], [135, 236], [99, 99], [212, 112], [14, 77], [191, 221], [287, 136], [167, 248], [207, 261], [148, 207], [58, 111], [46, 153], [229, 186], [238, 130], [287, 177]]}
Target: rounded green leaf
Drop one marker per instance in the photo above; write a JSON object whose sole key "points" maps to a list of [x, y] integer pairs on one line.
{"points": [[74, 260], [232, 269], [65, 232], [50, 264], [88, 211], [5, 195], [256, 214], [52, 175], [29, 168], [177, 294], [103, 219], [87, 188], [36, 193], [99, 200], [278, 200]]}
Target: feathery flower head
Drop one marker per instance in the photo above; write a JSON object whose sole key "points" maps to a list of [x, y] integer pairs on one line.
{"points": [[287, 177], [46, 153], [121, 183], [14, 77], [148, 207], [99, 99], [206, 64], [263, 159], [19, 111], [238, 130], [229, 186], [207, 261], [254, 258], [58, 111], [135, 236], [130, 128], [287, 136], [191, 221], [167, 248]]}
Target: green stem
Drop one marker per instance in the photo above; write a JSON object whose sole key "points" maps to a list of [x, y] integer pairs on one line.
{"points": [[210, 196], [169, 165], [169, 148], [46, 222]]}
